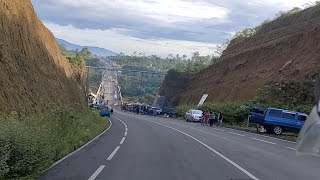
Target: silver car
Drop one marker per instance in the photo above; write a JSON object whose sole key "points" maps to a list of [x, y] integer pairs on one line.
{"points": [[193, 115]]}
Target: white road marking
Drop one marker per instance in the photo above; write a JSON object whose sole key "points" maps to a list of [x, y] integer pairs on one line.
{"points": [[237, 134], [122, 140], [126, 129], [291, 148], [263, 136], [263, 140], [211, 149], [62, 159], [98, 171], [125, 134], [218, 129], [113, 153]]}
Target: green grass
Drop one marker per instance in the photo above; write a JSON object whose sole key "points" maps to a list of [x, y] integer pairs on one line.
{"points": [[28, 146]]}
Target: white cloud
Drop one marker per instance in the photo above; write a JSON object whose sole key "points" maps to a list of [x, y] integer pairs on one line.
{"points": [[282, 3], [163, 10], [156, 26], [113, 40]]}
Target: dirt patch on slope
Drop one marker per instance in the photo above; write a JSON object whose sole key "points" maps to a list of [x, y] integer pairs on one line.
{"points": [[33, 73], [285, 50]]}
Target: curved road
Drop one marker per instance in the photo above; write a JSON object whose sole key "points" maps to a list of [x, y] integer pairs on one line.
{"points": [[152, 148]]}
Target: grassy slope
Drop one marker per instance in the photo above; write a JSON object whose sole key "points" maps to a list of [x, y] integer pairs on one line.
{"points": [[28, 146]]}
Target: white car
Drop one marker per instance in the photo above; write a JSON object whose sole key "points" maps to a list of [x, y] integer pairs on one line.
{"points": [[193, 115]]}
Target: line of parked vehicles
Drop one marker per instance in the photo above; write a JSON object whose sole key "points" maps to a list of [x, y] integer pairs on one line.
{"points": [[271, 120], [146, 109]]}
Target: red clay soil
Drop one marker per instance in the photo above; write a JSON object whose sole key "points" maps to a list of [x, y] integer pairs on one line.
{"points": [[286, 49], [33, 73]]}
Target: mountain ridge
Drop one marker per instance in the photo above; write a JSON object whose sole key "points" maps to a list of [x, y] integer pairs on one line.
{"points": [[95, 50]]}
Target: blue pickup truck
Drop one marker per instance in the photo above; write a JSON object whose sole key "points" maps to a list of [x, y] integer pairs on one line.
{"points": [[278, 120]]}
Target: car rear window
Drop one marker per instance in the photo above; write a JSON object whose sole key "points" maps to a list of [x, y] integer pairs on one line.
{"points": [[288, 115], [196, 112], [259, 111], [275, 113], [302, 118]]}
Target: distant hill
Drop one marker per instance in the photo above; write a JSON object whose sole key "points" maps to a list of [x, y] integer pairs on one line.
{"points": [[95, 50]]}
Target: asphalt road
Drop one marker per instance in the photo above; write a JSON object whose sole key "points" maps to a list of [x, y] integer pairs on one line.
{"points": [[141, 147]]}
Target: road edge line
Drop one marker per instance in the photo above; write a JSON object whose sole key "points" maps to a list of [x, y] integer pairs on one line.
{"points": [[211, 149], [70, 154]]}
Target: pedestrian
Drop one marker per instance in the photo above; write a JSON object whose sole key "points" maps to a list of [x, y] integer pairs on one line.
{"points": [[111, 111], [207, 116], [203, 118], [212, 118], [220, 118]]}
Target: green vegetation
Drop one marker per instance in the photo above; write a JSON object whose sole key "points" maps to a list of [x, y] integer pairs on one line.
{"points": [[143, 87], [285, 95], [196, 64], [30, 145], [248, 32], [242, 35], [84, 53], [84, 56]]}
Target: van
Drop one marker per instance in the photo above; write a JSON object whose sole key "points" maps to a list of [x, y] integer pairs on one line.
{"points": [[279, 120]]}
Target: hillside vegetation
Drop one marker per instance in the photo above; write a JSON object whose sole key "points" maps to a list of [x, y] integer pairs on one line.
{"points": [[274, 64]]}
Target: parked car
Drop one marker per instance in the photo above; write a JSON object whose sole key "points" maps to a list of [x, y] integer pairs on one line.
{"points": [[279, 120], [105, 112], [156, 110], [256, 114], [193, 115], [94, 105], [167, 112]]}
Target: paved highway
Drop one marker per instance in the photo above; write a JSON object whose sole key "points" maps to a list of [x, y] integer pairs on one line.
{"points": [[143, 148]]}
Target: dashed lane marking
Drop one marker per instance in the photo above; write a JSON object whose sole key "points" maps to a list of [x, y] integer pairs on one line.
{"points": [[263, 140], [237, 134], [98, 171], [113, 153], [122, 140]]}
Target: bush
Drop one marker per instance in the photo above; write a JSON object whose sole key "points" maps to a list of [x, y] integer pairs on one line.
{"points": [[233, 112], [182, 109], [236, 113], [30, 145]]}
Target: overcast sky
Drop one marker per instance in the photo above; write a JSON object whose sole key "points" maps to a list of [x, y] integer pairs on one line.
{"points": [[156, 27]]}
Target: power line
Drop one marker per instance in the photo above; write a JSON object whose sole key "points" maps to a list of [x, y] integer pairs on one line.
{"points": [[127, 70]]}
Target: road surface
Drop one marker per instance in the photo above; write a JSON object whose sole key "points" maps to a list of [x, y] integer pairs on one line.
{"points": [[141, 147], [144, 148]]}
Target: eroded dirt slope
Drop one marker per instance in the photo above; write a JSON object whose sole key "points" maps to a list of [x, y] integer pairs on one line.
{"points": [[33, 73], [284, 50]]}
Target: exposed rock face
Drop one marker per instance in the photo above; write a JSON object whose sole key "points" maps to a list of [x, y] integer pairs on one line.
{"points": [[33, 73], [287, 49]]}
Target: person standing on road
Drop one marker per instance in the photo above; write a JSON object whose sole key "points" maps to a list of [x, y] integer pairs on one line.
{"points": [[212, 118], [206, 117], [220, 118], [203, 118]]}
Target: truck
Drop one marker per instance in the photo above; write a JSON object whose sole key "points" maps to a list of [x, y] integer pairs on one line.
{"points": [[279, 120]]}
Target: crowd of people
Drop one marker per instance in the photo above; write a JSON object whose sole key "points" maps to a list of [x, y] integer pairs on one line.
{"points": [[209, 118]]}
